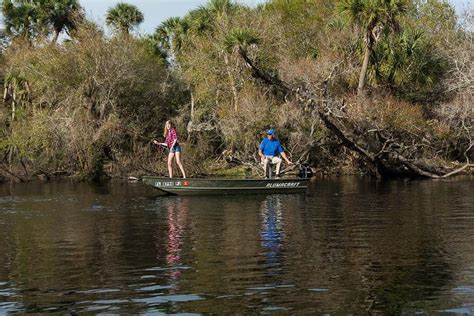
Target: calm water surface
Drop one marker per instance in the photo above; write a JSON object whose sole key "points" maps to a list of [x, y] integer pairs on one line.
{"points": [[349, 246]]}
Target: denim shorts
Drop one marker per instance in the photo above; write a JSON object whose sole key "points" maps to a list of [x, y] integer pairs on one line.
{"points": [[176, 149]]}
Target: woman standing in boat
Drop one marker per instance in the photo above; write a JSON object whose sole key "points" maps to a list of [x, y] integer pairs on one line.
{"points": [[171, 142]]}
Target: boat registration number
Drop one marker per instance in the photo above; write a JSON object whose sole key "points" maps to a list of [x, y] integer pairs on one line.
{"points": [[283, 185], [171, 183]]}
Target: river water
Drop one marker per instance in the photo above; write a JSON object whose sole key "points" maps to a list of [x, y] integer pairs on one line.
{"points": [[349, 246]]}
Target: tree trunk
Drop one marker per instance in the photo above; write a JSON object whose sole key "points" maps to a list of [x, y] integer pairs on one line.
{"points": [[55, 37], [189, 127], [363, 72], [13, 107], [232, 81], [192, 104], [5, 92]]}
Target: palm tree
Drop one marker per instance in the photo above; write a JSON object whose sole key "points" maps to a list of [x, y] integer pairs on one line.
{"points": [[19, 19], [237, 40], [17, 91], [374, 17], [124, 17], [155, 47], [60, 15], [170, 34], [220, 7], [240, 39], [199, 20], [408, 65], [27, 19], [173, 32]]}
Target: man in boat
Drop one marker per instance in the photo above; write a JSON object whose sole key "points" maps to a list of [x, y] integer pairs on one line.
{"points": [[270, 150]]}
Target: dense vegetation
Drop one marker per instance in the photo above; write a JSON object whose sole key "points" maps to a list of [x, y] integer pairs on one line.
{"points": [[382, 87]]}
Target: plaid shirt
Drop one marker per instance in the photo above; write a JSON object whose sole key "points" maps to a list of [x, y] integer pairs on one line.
{"points": [[171, 136]]}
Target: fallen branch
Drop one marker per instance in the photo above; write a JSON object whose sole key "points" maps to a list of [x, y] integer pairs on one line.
{"points": [[19, 178], [383, 159], [459, 170]]}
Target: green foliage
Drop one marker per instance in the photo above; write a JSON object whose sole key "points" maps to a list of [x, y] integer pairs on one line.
{"points": [[241, 38], [116, 100], [174, 33], [124, 17], [171, 34], [155, 47], [59, 15], [20, 18], [301, 22], [409, 66], [28, 19], [220, 7], [200, 20], [375, 18], [370, 13]]}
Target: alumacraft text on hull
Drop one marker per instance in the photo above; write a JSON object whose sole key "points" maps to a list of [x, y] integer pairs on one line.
{"points": [[227, 186]]}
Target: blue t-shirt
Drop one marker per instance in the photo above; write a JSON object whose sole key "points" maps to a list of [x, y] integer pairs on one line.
{"points": [[271, 147]]}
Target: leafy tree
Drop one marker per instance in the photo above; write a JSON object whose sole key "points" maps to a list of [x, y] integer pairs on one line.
{"points": [[219, 8], [214, 15], [105, 113], [171, 34], [20, 18], [374, 18], [155, 47], [16, 91], [59, 15], [408, 65], [304, 21], [124, 17], [27, 19], [240, 39], [200, 20]]}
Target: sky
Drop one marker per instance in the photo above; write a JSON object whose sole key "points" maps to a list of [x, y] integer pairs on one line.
{"points": [[156, 11]]}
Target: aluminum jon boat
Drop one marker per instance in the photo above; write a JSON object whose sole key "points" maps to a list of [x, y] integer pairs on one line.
{"points": [[195, 186]]}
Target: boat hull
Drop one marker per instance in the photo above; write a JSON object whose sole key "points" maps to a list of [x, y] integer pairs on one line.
{"points": [[227, 186]]}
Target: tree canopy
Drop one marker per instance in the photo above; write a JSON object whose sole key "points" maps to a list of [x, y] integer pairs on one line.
{"points": [[124, 17], [29, 19]]}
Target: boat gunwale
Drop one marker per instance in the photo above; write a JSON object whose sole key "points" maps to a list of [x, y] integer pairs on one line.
{"points": [[226, 179], [230, 190]]}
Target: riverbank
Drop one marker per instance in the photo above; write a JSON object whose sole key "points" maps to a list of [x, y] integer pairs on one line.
{"points": [[209, 169]]}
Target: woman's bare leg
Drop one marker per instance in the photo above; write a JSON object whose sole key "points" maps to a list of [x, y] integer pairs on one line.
{"points": [[170, 164], [180, 165]]}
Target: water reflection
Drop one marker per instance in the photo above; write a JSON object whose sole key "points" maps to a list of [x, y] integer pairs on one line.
{"points": [[271, 233], [177, 211]]}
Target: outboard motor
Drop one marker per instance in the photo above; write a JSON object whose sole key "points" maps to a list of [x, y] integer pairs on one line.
{"points": [[305, 171]]}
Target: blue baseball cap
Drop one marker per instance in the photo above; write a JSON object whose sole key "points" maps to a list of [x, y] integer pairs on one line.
{"points": [[271, 131]]}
